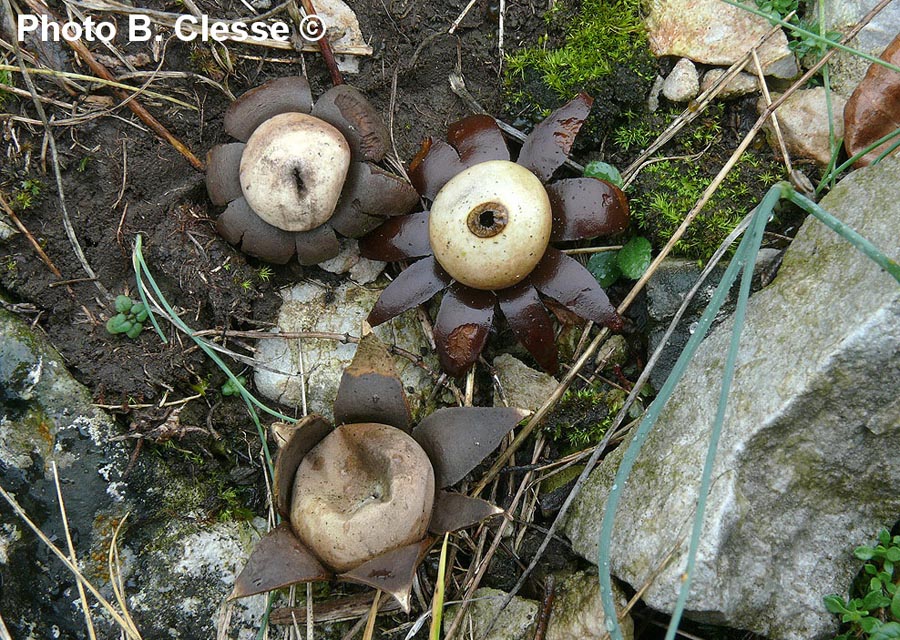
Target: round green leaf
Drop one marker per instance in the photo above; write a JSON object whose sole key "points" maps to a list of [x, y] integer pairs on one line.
{"points": [[634, 258], [604, 171], [887, 631], [604, 268], [135, 330], [864, 553], [893, 554], [123, 304]]}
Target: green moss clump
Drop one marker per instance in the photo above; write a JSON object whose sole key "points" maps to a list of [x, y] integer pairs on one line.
{"points": [[600, 48], [666, 191], [583, 416]]}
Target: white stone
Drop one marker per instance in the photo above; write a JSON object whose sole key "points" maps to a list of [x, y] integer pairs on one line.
{"points": [[310, 306], [577, 612], [515, 622], [683, 83], [523, 387], [846, 70], [803, 120], [807, 466], [713, 32], [361, 270], [739, 85]]}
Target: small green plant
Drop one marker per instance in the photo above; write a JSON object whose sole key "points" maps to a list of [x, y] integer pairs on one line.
{"points": [[5, 81], [129, 319], [27, 195], [265, 273], [799, 43], [232, 389], [630, 261], [604, 171], [83, 164], [874, 614]]}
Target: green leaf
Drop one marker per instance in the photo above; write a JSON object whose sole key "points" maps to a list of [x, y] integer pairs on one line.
{"points": [[895, 605], [864, 552], [231, 389], [884, 537], [875, 600], [135, 330], [634, 258], [834, 604], [604, 268], [893, 554], [136, 308], [869, 624], [123, 304], [887, 631], [141, 315], [119, 323], [604, 171], [871, 569]]}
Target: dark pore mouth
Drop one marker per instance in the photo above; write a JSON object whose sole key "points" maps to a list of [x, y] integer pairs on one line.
{"points": [[298, 181], [487, 219]]}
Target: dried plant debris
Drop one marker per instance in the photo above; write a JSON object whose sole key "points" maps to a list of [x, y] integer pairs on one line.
{"points": [[486, 239], [303, 174], [364, 501]]}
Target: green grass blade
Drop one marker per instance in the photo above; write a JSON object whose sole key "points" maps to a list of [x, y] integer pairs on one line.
{"points": [[437, 604]]}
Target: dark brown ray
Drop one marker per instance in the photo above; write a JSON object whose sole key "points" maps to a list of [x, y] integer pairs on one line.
{"points": [[462, 326], [370, 194], [415, 284], [586, 208], [223, 173], [272, 98], [528, 318], [392, 572], [477, 139], [397, 239], [454, 511], [457, 439], [307, 433], [433, 166], [348, 110], [547, 146], [253, 235], [316, 245], [278, 560], [566, 281], [370, 389]]}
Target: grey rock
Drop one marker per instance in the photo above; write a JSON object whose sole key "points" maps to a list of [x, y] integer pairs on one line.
{"points": [[612, 352], [523, 387], [711, 32], [807, 466], [845, 69], [666, 290], [739, 85], [361, 270], [803, 120], [515, 622], [577, 612], [309, 306], [682, 83], [176, 567]]}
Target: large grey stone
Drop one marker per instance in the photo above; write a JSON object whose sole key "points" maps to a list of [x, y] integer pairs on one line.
{"points": [[312, 307], [807, 467], [716, 33], [177, 566]]}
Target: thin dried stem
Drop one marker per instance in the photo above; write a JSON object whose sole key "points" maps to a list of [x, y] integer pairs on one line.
{"points": [[85, 605]]}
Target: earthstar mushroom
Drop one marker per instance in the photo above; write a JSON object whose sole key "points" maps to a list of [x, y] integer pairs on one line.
{"points": [[302, 174], [364, 502], [486, 241]]}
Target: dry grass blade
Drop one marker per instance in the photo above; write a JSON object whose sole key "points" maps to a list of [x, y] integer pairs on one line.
{"points": [[114, 614], [134, 105], [373, 614], [115, 576], [85, 605]]}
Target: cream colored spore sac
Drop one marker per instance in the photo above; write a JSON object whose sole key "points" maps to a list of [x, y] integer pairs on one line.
{"points": [[293, 170], [490, 224], [364, 490]]}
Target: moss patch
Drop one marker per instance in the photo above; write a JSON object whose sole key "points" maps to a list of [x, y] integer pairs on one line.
{"points": [[596, 46]]}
